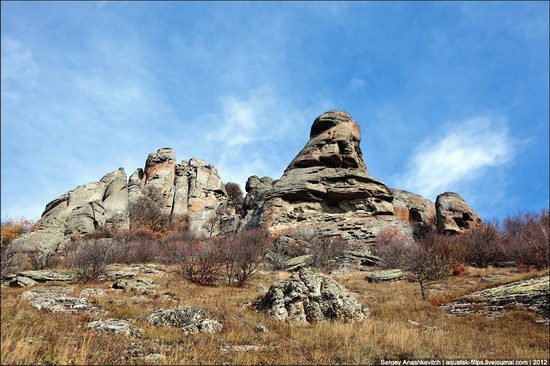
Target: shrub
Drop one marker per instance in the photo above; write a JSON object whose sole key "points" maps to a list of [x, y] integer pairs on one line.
{"points": [[526, 238], [200, 262], [390, 246], [425, 261], [243, 254], [91, 256], [10, 261], [235, 194], [480, 245], [146, 212]]}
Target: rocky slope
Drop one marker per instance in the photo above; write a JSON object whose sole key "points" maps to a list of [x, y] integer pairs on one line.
{"points": [[326, 188]]}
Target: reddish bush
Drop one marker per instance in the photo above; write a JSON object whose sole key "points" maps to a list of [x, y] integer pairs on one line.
{"points": [[146, 212], [480, 245], [390, 246], [526, 239], [458, 269], [244, 252]]}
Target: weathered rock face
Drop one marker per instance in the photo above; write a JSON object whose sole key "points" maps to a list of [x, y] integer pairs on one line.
{"points": [[309, 296], [79, 211], [192, 187], [453, 214], [327, 187]]}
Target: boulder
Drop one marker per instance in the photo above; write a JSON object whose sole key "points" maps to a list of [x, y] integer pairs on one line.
{"points": [[532, 294], [189, 320], [134, 284], [309, 296], [21, 282], [453, 214]]}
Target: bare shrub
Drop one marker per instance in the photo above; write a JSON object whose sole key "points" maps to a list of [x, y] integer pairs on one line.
{"points": [[526, 238], [200, 262], [326, 249], [425, 261], [480, 245], [235, 194], [91, 256], [243, 254], [10, 262], [146, 212], [391, 246]]}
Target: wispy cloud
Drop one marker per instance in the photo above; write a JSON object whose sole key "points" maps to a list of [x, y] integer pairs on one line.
{"points": [[357, 83], [248, 131], [467, 149]]}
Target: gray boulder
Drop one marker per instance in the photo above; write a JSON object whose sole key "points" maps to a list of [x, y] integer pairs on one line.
{"points": [[309, 296], [189, 320]]}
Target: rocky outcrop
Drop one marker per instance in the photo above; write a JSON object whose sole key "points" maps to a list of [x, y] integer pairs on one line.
{"points": [[309, 296], [453, 214], [77, 212], [530, 294], [386, 275], [192, 187], [326, 187], [189, 320]]}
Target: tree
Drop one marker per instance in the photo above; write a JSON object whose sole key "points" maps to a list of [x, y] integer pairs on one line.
{"points": [[10, 230], [326, 249], [146, 212]]}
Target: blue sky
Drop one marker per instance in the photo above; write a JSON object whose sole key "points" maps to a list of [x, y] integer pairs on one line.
{"points": [[450, 96]]}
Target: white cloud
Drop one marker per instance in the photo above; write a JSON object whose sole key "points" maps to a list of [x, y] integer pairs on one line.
{"points": [[357, 84], [251, 130], [466, 150]]}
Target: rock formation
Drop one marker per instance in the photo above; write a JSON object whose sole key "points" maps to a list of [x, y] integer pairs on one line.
{"points": [[309, 296], [453, 214], [80, 211], [326, 188], [192, 187]]}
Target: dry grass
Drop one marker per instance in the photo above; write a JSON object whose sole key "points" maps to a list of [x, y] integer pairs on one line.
{"points": [[30, 336]]}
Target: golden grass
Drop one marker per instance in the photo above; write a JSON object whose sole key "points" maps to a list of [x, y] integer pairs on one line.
{"points": [[30, 336]]}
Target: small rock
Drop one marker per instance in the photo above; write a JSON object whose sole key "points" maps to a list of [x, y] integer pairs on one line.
{"points": [[55, 299], [137, 284], [20, 281], [246, 348], [115, 326], [386, 275], [260, 328], [93, 292], [154, 357]]}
